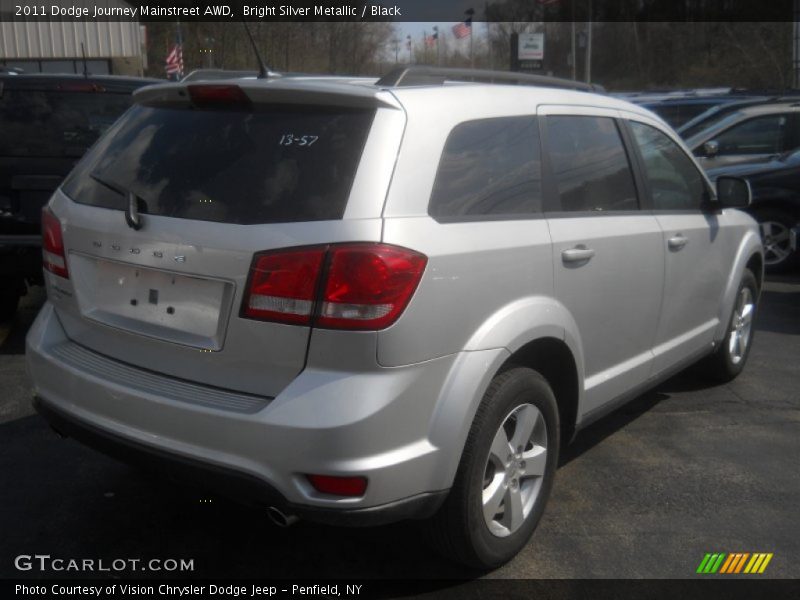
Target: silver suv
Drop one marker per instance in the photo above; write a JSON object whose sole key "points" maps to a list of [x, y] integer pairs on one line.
{"points": [[365, 302]]}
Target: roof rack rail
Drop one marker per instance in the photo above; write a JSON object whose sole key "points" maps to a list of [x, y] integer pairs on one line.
{"points": [[424, 75]]}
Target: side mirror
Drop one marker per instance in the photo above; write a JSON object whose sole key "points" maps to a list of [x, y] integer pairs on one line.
{"points": [[733, 192], [710, 149]]}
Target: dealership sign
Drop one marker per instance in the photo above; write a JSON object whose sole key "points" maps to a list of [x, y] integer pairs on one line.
{"points": [[531, 46]]}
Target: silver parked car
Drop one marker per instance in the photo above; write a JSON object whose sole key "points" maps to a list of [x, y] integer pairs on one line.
{"points": [[751, 133], [359, 303]]}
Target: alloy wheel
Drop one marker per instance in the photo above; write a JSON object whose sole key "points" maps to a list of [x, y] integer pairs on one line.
{"points": [[777, 245], [741, 326], [514, 470]]}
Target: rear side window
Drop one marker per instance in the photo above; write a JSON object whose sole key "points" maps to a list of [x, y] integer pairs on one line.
{"points": [[39, 123], [489, 168], [269, 165], [590, 165], [675, 183]]}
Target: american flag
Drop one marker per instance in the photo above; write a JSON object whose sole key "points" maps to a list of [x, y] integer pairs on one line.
{"points": [[174, 64], [463, 29], [430, 40]]}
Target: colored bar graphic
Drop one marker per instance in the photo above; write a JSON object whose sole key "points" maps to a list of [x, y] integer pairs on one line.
{"points": [[740, 564], [718, 563], [754, 563], [765, 563], [703, 563], [727, 564], [734, 563]]}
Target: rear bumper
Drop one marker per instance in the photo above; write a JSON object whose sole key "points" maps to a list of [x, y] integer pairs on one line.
{"points": [[374, 424], [234, 484]]}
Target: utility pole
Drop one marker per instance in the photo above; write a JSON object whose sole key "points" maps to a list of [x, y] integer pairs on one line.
{"points": [[589, 46], [796, 45], [573, 54]]}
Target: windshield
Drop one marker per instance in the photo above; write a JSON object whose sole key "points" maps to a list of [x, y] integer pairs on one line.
{"points": [[276, 164]]}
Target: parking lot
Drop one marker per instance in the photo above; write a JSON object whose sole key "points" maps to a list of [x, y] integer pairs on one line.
{"points": [[681, 471]]}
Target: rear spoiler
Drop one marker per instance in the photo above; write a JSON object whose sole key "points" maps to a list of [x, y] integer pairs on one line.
{"points": [[274, 92]]}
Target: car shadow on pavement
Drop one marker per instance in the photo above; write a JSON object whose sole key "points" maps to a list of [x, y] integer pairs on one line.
{"points": [[608, 425]]}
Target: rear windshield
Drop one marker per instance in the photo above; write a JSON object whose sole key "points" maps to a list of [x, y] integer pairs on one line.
{"points": [[269, 165], [37, 123]]}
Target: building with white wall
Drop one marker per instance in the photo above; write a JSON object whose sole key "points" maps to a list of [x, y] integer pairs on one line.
{"points": [[47, 46]]}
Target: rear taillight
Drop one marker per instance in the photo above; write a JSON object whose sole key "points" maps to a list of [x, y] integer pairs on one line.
{"points": [[283, 285], [54, 255], [368, 285], [362, 286]]}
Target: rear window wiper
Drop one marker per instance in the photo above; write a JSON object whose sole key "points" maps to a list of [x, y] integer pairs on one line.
{"points": [[135, 204]]}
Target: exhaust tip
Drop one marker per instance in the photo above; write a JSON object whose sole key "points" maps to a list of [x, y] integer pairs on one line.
{"points": [[280, 518]]}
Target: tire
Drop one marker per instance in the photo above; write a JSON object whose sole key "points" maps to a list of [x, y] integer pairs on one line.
{"points": [[730, 358], [459, 530], [775, 226], [9, 299]]}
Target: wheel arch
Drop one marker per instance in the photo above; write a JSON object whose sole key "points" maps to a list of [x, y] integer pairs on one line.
{"points": [[536, 332], [553, 360], [749, 255]]}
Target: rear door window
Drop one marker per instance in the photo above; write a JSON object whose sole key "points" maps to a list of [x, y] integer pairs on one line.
{"points": [[675, 183], [270, 164], [590, 164], [489, 168], [37, 123]]}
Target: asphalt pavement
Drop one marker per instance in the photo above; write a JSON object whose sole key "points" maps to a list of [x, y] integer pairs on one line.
{"points": [[681, 471]]}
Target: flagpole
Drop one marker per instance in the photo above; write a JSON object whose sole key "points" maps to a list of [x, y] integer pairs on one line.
{"points": [[180, 45], [470, 12]]}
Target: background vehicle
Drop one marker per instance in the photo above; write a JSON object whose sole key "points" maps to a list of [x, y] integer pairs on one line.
{"points": [[678, 111], [47, 123], [364, 303], [717, 113], [747, 134], [775, 183]]}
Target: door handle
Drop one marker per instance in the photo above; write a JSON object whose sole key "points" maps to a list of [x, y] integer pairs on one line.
{"points": [[677, 241], [577, 254]]}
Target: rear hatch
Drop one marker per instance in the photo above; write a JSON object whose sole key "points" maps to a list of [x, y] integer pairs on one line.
{"points": [[162, 220]]}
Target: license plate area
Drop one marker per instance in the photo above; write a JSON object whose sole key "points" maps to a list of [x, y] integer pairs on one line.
{"points": [[160, 304]]}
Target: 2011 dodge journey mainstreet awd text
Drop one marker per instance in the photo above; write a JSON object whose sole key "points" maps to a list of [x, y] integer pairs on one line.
{"points": [[363, 301]]}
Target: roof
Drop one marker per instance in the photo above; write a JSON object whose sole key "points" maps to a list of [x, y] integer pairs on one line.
{"points": [[368, 92]]}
